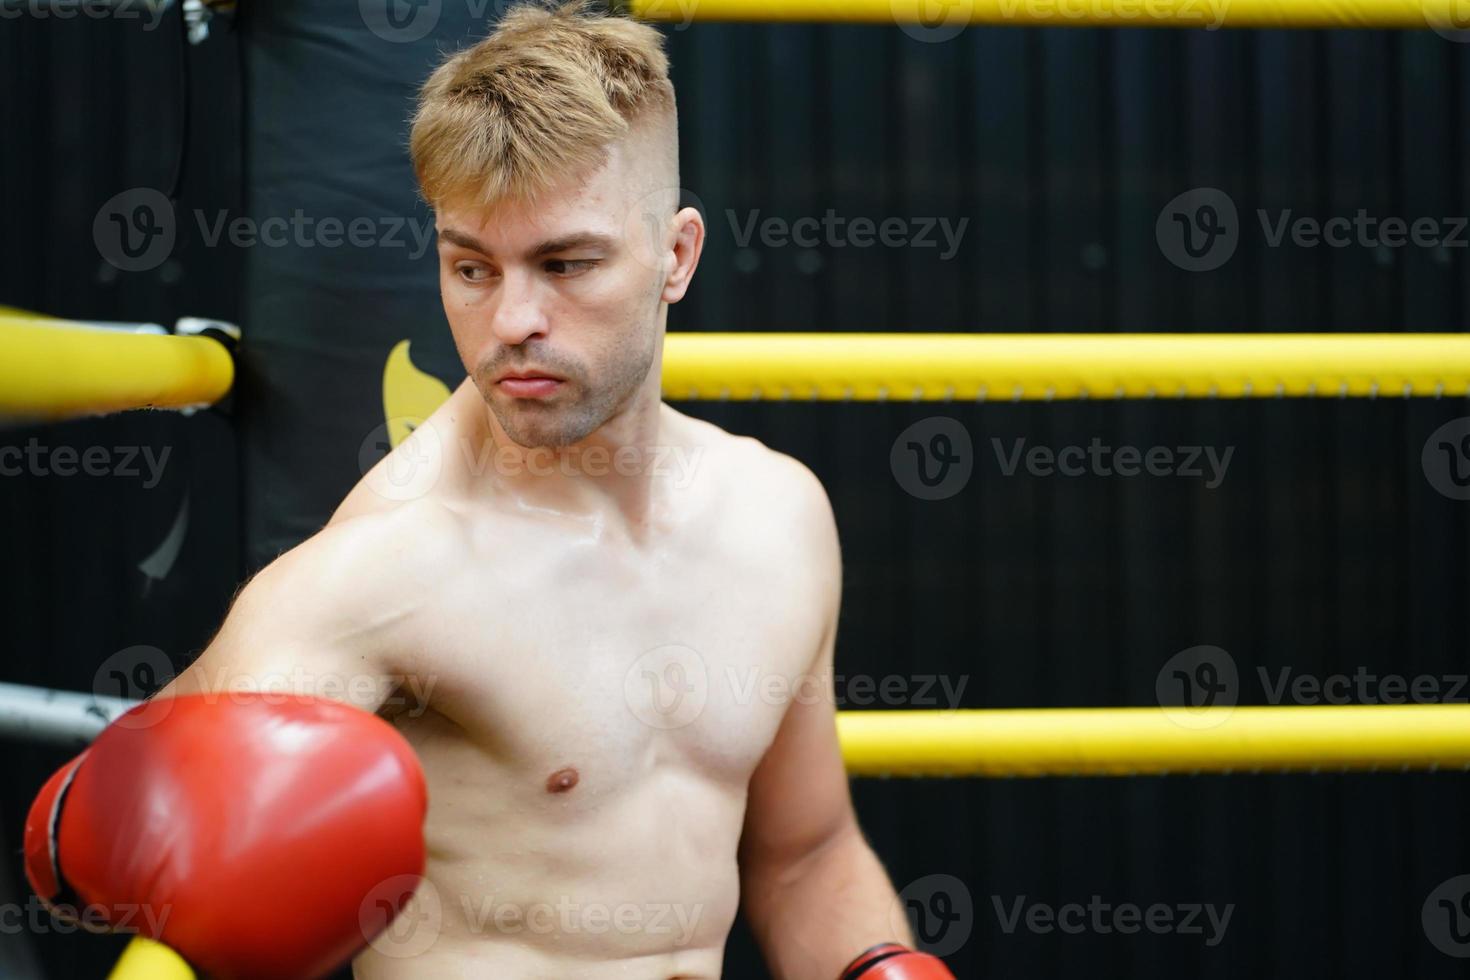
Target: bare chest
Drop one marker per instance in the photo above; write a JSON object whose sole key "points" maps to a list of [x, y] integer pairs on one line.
{"points": [[581, 674]]}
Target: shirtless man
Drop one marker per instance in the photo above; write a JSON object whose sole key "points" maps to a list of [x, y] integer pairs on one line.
{"points": [[606, 628]]}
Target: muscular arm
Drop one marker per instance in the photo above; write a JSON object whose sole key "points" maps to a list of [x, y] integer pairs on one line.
{"points": [[328, 618], [814, 893], [252, 818]]}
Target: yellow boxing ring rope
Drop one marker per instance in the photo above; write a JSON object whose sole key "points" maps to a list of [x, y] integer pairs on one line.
{"points": [[56, 369], [1101, 742], [951, 14], [144, 959], [1016, 367], [1155, 741]]}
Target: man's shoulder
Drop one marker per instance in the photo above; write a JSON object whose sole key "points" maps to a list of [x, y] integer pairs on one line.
{"points": [[755, 467], [778, 523], [773, 489], [779, 480], [364, 554]]}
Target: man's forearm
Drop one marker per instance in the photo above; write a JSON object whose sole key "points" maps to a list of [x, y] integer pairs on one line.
{"points": [[812, 915]]}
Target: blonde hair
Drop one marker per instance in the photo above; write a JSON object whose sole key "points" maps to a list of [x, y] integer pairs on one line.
{"points": [[536, 101]]}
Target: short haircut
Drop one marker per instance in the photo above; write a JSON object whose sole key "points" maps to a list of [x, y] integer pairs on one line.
{"points": [[537, 101]]}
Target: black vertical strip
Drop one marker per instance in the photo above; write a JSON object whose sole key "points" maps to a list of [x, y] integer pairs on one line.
{"points": [[1037, 182], [1282, 84], [1458, 109], [1007, 275], [1145, 145], [863, 129], [1423, 171], [1325, 162], [711, 142], [1249, 483], [819, 120]]}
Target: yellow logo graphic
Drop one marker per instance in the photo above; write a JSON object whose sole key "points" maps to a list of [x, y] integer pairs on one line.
{"points": [[410, 395]]}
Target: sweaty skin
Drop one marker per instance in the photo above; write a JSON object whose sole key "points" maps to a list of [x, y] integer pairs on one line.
{"points": [[569, 832], [615, 669]]}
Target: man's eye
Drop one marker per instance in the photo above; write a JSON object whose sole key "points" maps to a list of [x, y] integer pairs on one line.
{"points": [[472, 273], [567, 267]]}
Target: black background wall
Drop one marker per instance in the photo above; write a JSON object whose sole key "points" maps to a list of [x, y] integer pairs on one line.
{"points": [[1325, 550]]}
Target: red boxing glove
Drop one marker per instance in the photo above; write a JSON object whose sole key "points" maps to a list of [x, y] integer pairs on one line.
{"points": [[253, 834], [890, 961]]}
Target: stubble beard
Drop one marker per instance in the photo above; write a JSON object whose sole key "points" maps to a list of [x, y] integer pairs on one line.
{"points": [[574, 412]]}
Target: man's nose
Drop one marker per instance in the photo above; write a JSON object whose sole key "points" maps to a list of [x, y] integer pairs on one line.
{"points": [[519, 314]]}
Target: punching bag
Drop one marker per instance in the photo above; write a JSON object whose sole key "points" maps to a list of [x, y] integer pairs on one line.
{"points": [[345, 341]]}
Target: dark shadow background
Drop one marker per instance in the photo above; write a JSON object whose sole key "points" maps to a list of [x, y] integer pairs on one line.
{"points": [[1325, 550]]}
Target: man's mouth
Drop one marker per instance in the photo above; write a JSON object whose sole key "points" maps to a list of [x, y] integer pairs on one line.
{"points": [[528, 384]]}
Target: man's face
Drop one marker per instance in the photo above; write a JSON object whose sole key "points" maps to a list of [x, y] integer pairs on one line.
{"points": [[561, 291]]}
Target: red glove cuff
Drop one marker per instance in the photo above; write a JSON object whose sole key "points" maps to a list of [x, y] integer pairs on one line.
{"points": [[890, 961], [40, 832]]}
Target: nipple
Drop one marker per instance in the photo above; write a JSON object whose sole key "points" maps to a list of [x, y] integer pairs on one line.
{"points": [[562, 780]]}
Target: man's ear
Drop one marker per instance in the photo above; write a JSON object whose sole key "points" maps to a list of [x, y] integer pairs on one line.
{"points": [[688, 225]]}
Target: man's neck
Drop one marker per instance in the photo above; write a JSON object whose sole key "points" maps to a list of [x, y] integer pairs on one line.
{"points": [[614, 480]]}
